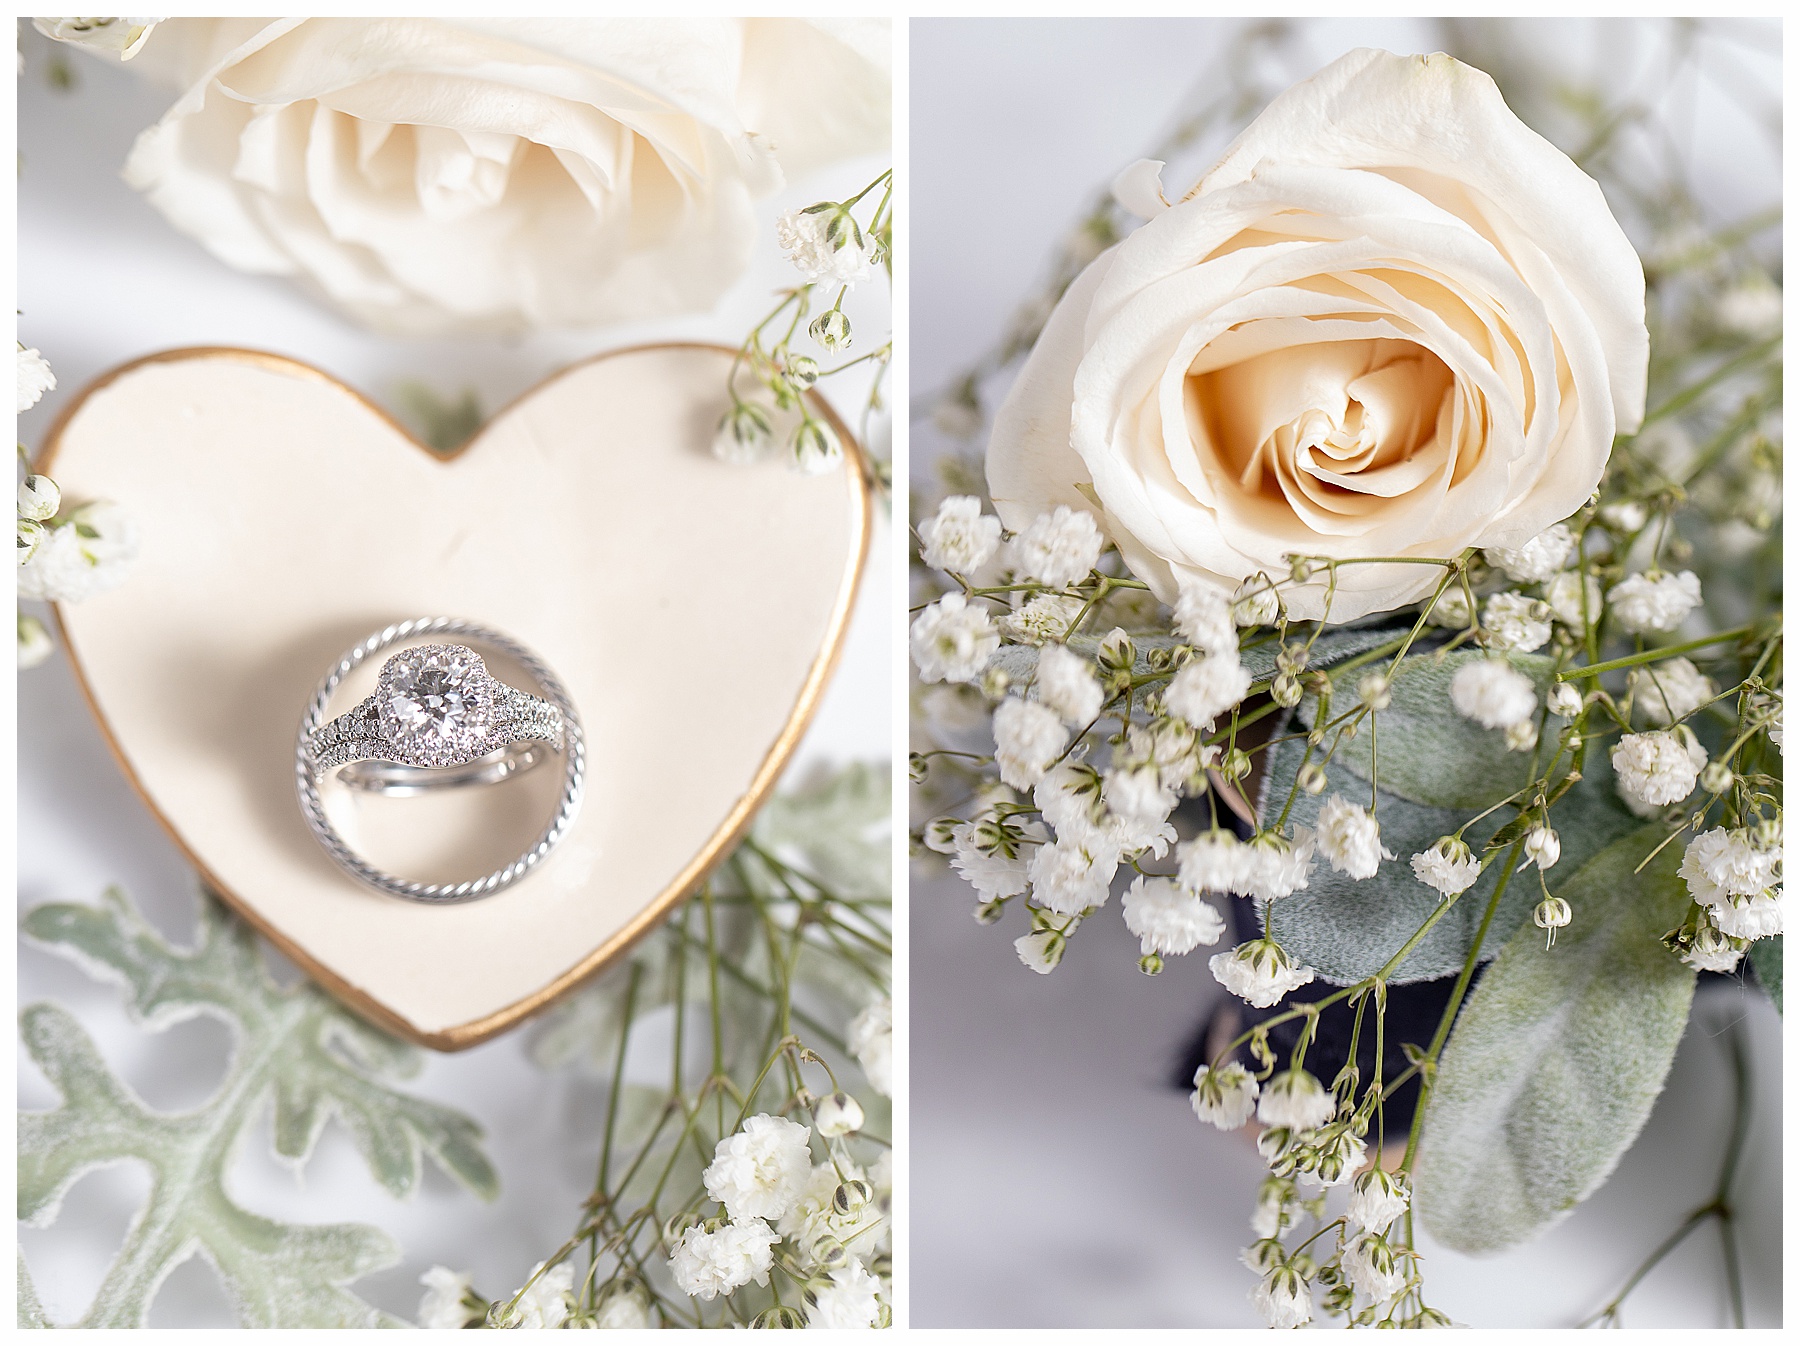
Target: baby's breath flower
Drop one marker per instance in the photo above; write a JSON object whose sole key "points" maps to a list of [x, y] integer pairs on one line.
{"points": [[834, 1222], [1452, 608], [1377, 1199], [623, 1304], [1041, 950], [1538, 558], [1283, 1299], [1068, 879], [870, 1038], [1671, 690], [825, 243], [30, 536], [1168, 919], [951, 641], [1374, 1267], [1059, 548], [1203, 616], [1750, 308], [1543, 847], [760, 1169], [1551, 915], [1624, 517], [959, 538], [815, 447], [1214, 862], [39, 498], [1274, 1197], [1046, 617], [1069, 797], [1349, 839], [1206, 688], [1225, 1097], [545, 1300], [1657, 768], [1448, 866], [1295, 1099], [1511, 621], [86, 555], [1654, 601], [1375, 691], [35, 378], [1260, 972], [1720, 864], [1276, 867], [1492, 693], [1336, 1156], [449, 1301], [1521, 737], [1756, 917], [852, 1299], [707, 1263], [1028, 737], [1563, 595], [1138, 798], [34, 642], [994, 871], [1066, 683]]}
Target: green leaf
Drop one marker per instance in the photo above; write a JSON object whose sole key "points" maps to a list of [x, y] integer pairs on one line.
{"points": [[297, 1044], [1765, 956], [31, 1312], [443, 425], [1437, 770], [1558, 1056], [839, 823]]}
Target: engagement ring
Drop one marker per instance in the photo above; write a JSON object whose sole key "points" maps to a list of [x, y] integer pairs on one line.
{"points": [[437, 719]]}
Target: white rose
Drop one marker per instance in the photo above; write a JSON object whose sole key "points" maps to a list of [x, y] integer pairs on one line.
{"points": [[437, 175], [1391, 321]]}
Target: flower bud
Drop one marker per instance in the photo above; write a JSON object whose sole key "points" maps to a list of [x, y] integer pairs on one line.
{"points": [[34, 642], [1150, 964], [1300, 569], [743, 435], [989, 912], [802, 371], [1285, 690], [779, 1315], [1312, 778], [30, 537], [1236, 765], [828, 1253], [39, 498], [994, 682], [851, 1195], [1543, 847], [816, 448], [1716, 778], [1117, 653], [1521, 736], [1042, 951], [1373, 691], [831, 329], [837, 1115], [1564, 701]]}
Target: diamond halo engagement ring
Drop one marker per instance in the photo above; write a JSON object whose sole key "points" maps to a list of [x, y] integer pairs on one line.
{"points": [[437, 719]]}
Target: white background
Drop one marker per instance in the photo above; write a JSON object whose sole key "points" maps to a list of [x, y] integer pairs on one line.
{"points": [[103, 279], [1057, 1178]]}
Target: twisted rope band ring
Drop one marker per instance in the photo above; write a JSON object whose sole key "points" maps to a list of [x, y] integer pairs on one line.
{"points": [[437, 718]]}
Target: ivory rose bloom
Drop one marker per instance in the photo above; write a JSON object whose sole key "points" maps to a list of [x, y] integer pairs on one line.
{"points": [[492, 175], [1391, 321]]}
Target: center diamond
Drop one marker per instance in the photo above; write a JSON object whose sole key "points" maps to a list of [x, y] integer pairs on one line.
{"points": [[436, 704]]}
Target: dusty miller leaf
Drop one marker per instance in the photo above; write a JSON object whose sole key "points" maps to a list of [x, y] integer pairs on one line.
{"points": [[1558, 1057], [840, 823], [31, 1313], [1436, 770], [298, 1044], [1765, 954]]}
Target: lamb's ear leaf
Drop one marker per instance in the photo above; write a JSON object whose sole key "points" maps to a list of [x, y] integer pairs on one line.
{"points": [[1765, 956], [1436, 770], [1557, 1058]]}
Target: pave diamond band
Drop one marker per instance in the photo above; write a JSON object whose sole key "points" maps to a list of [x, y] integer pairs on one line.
{"points": [[437, 718], [442, 723]]}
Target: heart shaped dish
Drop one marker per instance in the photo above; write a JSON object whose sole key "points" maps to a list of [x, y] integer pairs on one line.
{"points": [[693, 608]]}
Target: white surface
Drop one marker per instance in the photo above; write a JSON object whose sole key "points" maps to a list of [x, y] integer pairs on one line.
{"points": [[103, 279], [1057, 1179]]}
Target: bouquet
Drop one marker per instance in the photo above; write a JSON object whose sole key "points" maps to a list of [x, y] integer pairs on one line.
{"points": [[1376, 579]]}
